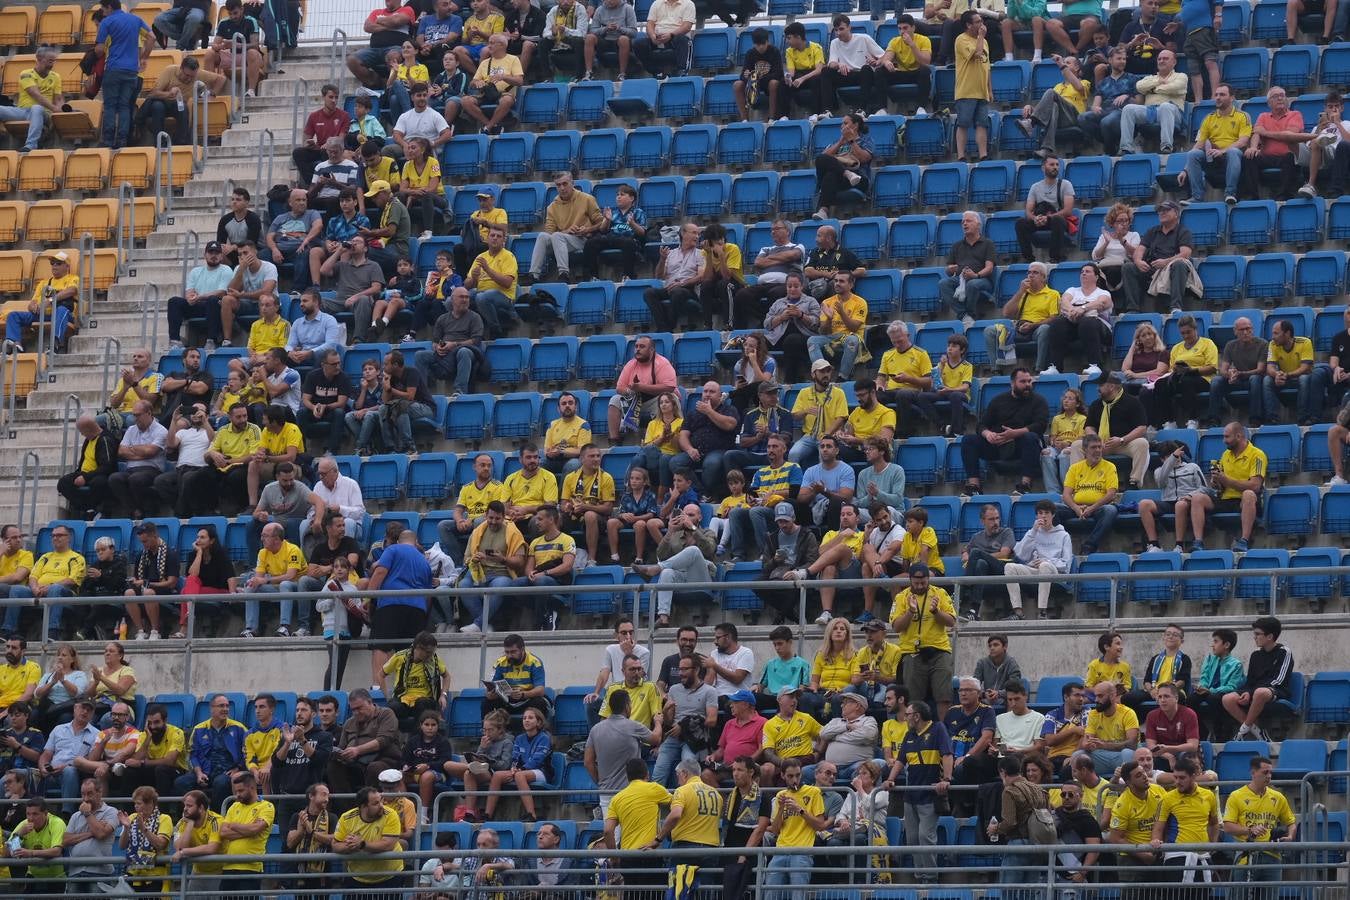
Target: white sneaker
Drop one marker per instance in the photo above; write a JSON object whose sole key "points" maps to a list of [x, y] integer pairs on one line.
{"points": [[1092, 371], [1007, 57], [154, 634], [881, 112], [1050, 370], [1169, 425], [141, 635], [1258, 733], [1036, 56], [1242, 732], [249, 93], [1192, 425], [967, 322], [1307, 191], [1152, 548], [813, 118], [471, 628], [920, 111], [824, 618], [1337, 481], [424, 236]]}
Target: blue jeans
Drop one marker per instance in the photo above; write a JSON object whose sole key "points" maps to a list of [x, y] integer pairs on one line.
{"points": [[16, 322], [778, 875], [759, 520], [398, 100], [398, 435], [1219, 388], [657, 465], [804, 451], [1312, 393], [497, 311], [120, 87], [474, 603], [364, 429], [815, 348], [1196, 163], [1041, 336], [1105, 126], [978, 290], [1010, 872], [11, 623], [70, 779], [1101, 520], [710, 467], [456, 367], [181, 26], [670, 754], [252, 608], [33, 115], [543, 603], [1105, 762]]}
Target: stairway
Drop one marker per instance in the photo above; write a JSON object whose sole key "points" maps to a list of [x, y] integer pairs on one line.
{"points": [[122, 315]]}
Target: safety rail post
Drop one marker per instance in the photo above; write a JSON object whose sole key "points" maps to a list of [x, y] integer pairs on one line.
{"points": [[299, 95], [126, 226], [112, 352], [69, 461], [11, 398], [1274, 592], [163, 173], [46, 335], [85, 304], [190, 631], [238, 74], [191, 250], [29, 475], [150, 317], [201, 127], [1111, 606], [337, 62], [269, 151]]}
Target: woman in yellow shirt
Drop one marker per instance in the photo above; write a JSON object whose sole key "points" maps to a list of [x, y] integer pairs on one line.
{"points": [[1065, 428], [659, 444], [404, 72], [832, 669], [420, 189]]}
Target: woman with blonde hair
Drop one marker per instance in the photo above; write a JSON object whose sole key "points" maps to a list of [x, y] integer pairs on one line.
{"points": [[1115, 245], [1146, 360], [58, 690], [832, 669]]}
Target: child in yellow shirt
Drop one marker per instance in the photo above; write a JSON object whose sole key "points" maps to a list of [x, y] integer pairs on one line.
{"points": [[737, 499], [1065, 428]]}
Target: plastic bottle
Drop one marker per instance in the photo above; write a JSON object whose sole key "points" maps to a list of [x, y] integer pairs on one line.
{"points": [[122, 629], [995, 837]]}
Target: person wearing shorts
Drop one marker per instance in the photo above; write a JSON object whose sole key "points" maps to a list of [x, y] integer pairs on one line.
{"points": [[973, 91], [388, 27], [1083, 15], [1200, 22], [921, 615], [397, 620]]}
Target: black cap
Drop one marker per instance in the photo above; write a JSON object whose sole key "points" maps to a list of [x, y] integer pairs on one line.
{"points": [[1112, 377], [213, 247]]}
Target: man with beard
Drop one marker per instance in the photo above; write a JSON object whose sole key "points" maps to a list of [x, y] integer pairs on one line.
{"points": [[370, 827], [1112, 731], [1012, 427], [301, 759], [311, 831], [198, 834], [161, 755], [1076, 825]]}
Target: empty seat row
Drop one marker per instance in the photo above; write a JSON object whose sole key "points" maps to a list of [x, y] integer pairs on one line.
{"points": [[58, 221], [90, 169], [20, 268]]}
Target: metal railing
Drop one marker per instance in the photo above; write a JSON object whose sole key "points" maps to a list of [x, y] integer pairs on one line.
{"points": [[30, 473], [163, 175], [70, 448], [201, 125], [126, 226], [190, 250], [86, 272], [112, 356], [150, 316], [268, 150], [299, 110], [238, 74], [337, 61]]}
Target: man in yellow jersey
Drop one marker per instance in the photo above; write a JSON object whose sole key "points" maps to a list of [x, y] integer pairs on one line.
{"points": [[843, 317], [231, 451], [1133, 816], [1258, 814], [57, 573], [644, 699], [1196, 811], [161, 756], [876, 666], [492, 283], [243, 832], [16, 560], [973, 90], [198, 834], [588, 497], [1292, 364], [1239, 478], [921, 615], [840, 557], [1219, 144], [1193, 360], [631, 823], [528, 489], [867, 420], [280, 564], [777, 480], [565, 437], [271, 330], [798, 813], [893, 730], [821, 409], [494, 556], [470, 507], [1091, 487], [40, 95], [1112, 731], [1032, 309], [369, 827], [906, 370], [549, 561], [57, 294], [281, 441], [694, 820], [789, 738]]}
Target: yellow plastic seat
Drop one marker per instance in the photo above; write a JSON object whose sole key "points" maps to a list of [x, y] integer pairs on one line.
{"points": [[96, 217], [13, 66], [106, 260], [146, 12], [147, 216], [48, 221], [134, 166], [23, 373], [88, 27], [68, 67], [182, 164], [40, 170], [16, 271], [82, 124], [9, 170], [17, 24], [218, 111], [59, 25], [87, 169], [11, 221]]}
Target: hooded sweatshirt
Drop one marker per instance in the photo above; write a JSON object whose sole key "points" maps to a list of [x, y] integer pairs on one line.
{"points": [[1053, 545]]}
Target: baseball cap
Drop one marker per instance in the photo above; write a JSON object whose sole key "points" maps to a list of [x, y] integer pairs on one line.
{"points": [[820, 364], [482, 194], [61, 256], [1170, 204], [786, 691], [918, 569], [855, 697], [742, 696], [213, 247], [875, 625], [390, 776], [784, 511], [1114, 377], [768, 387], [376, 187]]}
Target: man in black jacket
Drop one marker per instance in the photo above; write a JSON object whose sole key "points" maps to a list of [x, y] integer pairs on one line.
{"points": [[1121, 422], [1269, 670], [1012, 427], [86, 488]]}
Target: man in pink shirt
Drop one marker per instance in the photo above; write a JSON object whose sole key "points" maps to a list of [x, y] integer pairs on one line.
{"points": [[644, 378], [741, 736], [1275, 140]]}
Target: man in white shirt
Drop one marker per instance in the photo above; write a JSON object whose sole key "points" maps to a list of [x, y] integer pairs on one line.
{"points": [[731, 664], [1164, 98], [334, 490], [420, 121], [853, 60], [1020, 727], [191, 436], [668, 25]]}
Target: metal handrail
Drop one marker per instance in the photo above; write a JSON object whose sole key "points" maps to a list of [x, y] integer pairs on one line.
{"points": [[201, 128], [69, 459], [268, 151], [337, 62], [191, 252], [45, 343], [126, 226], [238, 74], [86, 295], [299, 98], [11, 398], [150, 317], [30, 472], [112, 354], [163, 175]]}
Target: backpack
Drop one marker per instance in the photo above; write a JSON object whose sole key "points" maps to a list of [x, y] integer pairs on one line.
{"points": [[115, 426], [1041, 827]]}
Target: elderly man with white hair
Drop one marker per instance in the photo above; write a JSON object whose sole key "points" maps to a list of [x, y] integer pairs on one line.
{"points": [[1031, 309], [39, 96], [826, 259], [685, 556], [334, 490], [709, 431], [970, 270]]}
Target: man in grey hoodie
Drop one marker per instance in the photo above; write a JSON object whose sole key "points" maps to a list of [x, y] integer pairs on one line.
{"points": [[614, 25], [1044, 550]]}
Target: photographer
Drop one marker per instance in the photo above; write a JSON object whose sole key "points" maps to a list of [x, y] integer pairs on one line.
{"points": [[190, 435]]}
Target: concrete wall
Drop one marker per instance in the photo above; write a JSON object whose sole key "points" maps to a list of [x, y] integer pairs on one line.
{"points": [[268, 664]]}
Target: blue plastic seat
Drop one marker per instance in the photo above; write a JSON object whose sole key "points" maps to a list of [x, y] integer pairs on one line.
{"points": [[786, 142], [696, 353], [1251, 223], [636, 98], [1281, 444], [1301, 221], [1222, 276], [919, 290], [991, 182], [382, 476], [1233, 761], [591, 303], [1301, 317], [516, 415], [648, 147], [1321, 273], [1269, 276], [1207, 590], [523, 202], [1292, 66], [541, 103], [895, 187], [507, 359], [1245, 68], [1206, 222], [1009, 80], [1160, 590], [1334, 70], [943, 516], [469, 417], [1133, 177], [885, 132], [713, 49], [1312, 587], [925, 137], [1089, 176], [719, 97], [865, 236], [707, 195], [921, 458], [739, 144], [880, 288], [741, 598], [510, 153], [943, 185], [599, 150], [553, 358], [680, 98], [629, 306], [430, 475], [1001, 228], [797, 191], [662, 196], [599, 602], [588, 101], [753, 193], [464, 156], [1099, 563], [1258, 587], [1327, 701], [911, 237]]}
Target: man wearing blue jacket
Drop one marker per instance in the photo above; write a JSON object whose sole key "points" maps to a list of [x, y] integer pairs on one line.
{"points": [[216, 752]]}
